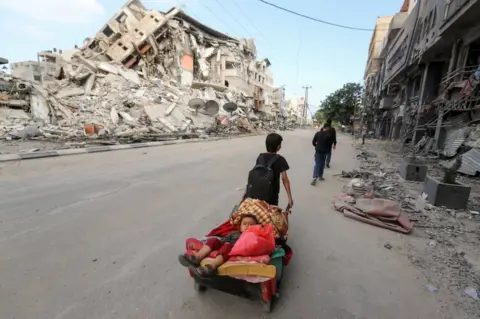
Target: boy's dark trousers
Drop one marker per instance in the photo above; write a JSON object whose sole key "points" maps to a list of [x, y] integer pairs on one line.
{"points": [[319, 164], [328, 158]]}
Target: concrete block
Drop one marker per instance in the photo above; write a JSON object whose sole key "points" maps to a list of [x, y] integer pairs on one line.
{"points": [[413, 171], [453, 196]]}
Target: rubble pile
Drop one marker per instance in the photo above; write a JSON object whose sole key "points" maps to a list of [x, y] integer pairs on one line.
{"points": [[168, 86], [102, 104], [450, 259], [460, 140]]}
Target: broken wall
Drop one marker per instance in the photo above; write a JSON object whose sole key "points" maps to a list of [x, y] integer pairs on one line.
{"points": [[27, 70]]}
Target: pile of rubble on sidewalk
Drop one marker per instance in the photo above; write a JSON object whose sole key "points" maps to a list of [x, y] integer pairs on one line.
{"points": [[166, 86], [444, 243]]}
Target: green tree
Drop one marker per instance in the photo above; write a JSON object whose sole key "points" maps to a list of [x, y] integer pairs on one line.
{"points": [[340, 105], [319, 117]]}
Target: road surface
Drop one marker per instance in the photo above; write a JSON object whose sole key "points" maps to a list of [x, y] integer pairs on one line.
{"points": [[97, 236]]}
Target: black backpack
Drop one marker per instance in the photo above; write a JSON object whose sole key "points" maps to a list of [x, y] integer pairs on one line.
{"points": [[260, 179]]}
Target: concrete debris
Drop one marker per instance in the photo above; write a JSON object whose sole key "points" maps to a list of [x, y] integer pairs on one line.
{"points": [[471, 292], [114, 116], [432, 288], [135, 78], [446, 248]]}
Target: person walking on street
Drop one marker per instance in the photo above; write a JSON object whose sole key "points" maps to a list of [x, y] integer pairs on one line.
{"points": [[334, 134], [364, 134], [323, 142]]}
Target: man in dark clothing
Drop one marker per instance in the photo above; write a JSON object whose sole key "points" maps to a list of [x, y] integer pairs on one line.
{"points": [[334, 135], [322, 141], [279, 167]]}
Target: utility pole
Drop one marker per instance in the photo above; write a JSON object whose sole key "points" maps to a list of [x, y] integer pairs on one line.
{"points": [[305, 105]]}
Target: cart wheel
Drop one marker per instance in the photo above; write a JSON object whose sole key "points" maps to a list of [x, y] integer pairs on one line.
{"points": [[266, 306], [198, 287]]}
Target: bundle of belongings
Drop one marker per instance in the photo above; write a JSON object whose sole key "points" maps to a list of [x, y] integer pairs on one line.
{"points": [[374, 211], [251, 245]]}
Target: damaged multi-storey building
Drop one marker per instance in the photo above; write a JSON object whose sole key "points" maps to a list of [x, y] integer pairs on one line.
{"points": [[145, 71], [426, 89], [175, 44]]}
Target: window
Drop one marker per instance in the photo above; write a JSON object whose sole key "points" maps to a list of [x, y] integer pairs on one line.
{"points": [[107, 31], [430, 20], [447, 9], [434, 19], [139, 32], [229, 65], [121, 18], [418, 33], [93, 45], [37, 78]]}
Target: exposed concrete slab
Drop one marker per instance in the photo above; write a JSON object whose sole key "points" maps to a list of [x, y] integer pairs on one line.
{"points": [[39, 107], [67, 92]]}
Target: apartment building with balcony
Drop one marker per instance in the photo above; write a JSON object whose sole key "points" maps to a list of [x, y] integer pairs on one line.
{"points": [[428, 85]]}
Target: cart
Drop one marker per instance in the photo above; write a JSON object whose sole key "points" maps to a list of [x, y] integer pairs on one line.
{"points": [[254, 278]]}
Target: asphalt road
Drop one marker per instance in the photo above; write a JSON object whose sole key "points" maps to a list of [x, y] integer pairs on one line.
{"points": [[97, 236]]}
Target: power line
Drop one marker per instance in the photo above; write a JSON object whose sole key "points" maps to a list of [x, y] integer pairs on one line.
{"points": [[236, 20], [253, 25], [246, 17], [213, 13], [314, 19]]}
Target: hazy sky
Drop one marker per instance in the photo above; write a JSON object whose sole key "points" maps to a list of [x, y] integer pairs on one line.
{"points": [[301, 51]]}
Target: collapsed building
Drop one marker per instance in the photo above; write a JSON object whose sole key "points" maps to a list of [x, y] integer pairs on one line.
{"points": [[144, 73]]}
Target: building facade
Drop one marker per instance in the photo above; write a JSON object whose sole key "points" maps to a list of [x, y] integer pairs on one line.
{"points": [[45, 69], [427, 86]]}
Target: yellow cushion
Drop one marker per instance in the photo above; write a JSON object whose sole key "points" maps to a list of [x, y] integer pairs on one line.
{"points": [[244, 269]]}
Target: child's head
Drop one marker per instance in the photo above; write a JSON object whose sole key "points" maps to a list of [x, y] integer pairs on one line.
{"points": [[273, 142], [246, 221]]}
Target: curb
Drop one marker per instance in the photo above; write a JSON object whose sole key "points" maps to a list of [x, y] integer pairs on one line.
{"points": [[99, 149]]}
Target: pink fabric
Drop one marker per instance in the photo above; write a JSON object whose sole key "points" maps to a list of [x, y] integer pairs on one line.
{"points": [[377, 211], [256, 240]]}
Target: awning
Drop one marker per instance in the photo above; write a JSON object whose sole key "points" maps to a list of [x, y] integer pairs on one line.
{"points": [[3, 61]]}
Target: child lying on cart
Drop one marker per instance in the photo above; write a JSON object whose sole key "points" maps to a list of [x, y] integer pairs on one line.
{"points": [[223, 246]]}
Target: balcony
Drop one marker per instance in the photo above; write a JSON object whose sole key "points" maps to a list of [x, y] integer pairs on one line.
{"points": [[452, 7], [460, 90], [459, 14], [458, 75]]}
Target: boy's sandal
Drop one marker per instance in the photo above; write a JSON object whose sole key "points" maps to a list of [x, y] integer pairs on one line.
{"points": [[205, 271], [188, 260]]}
